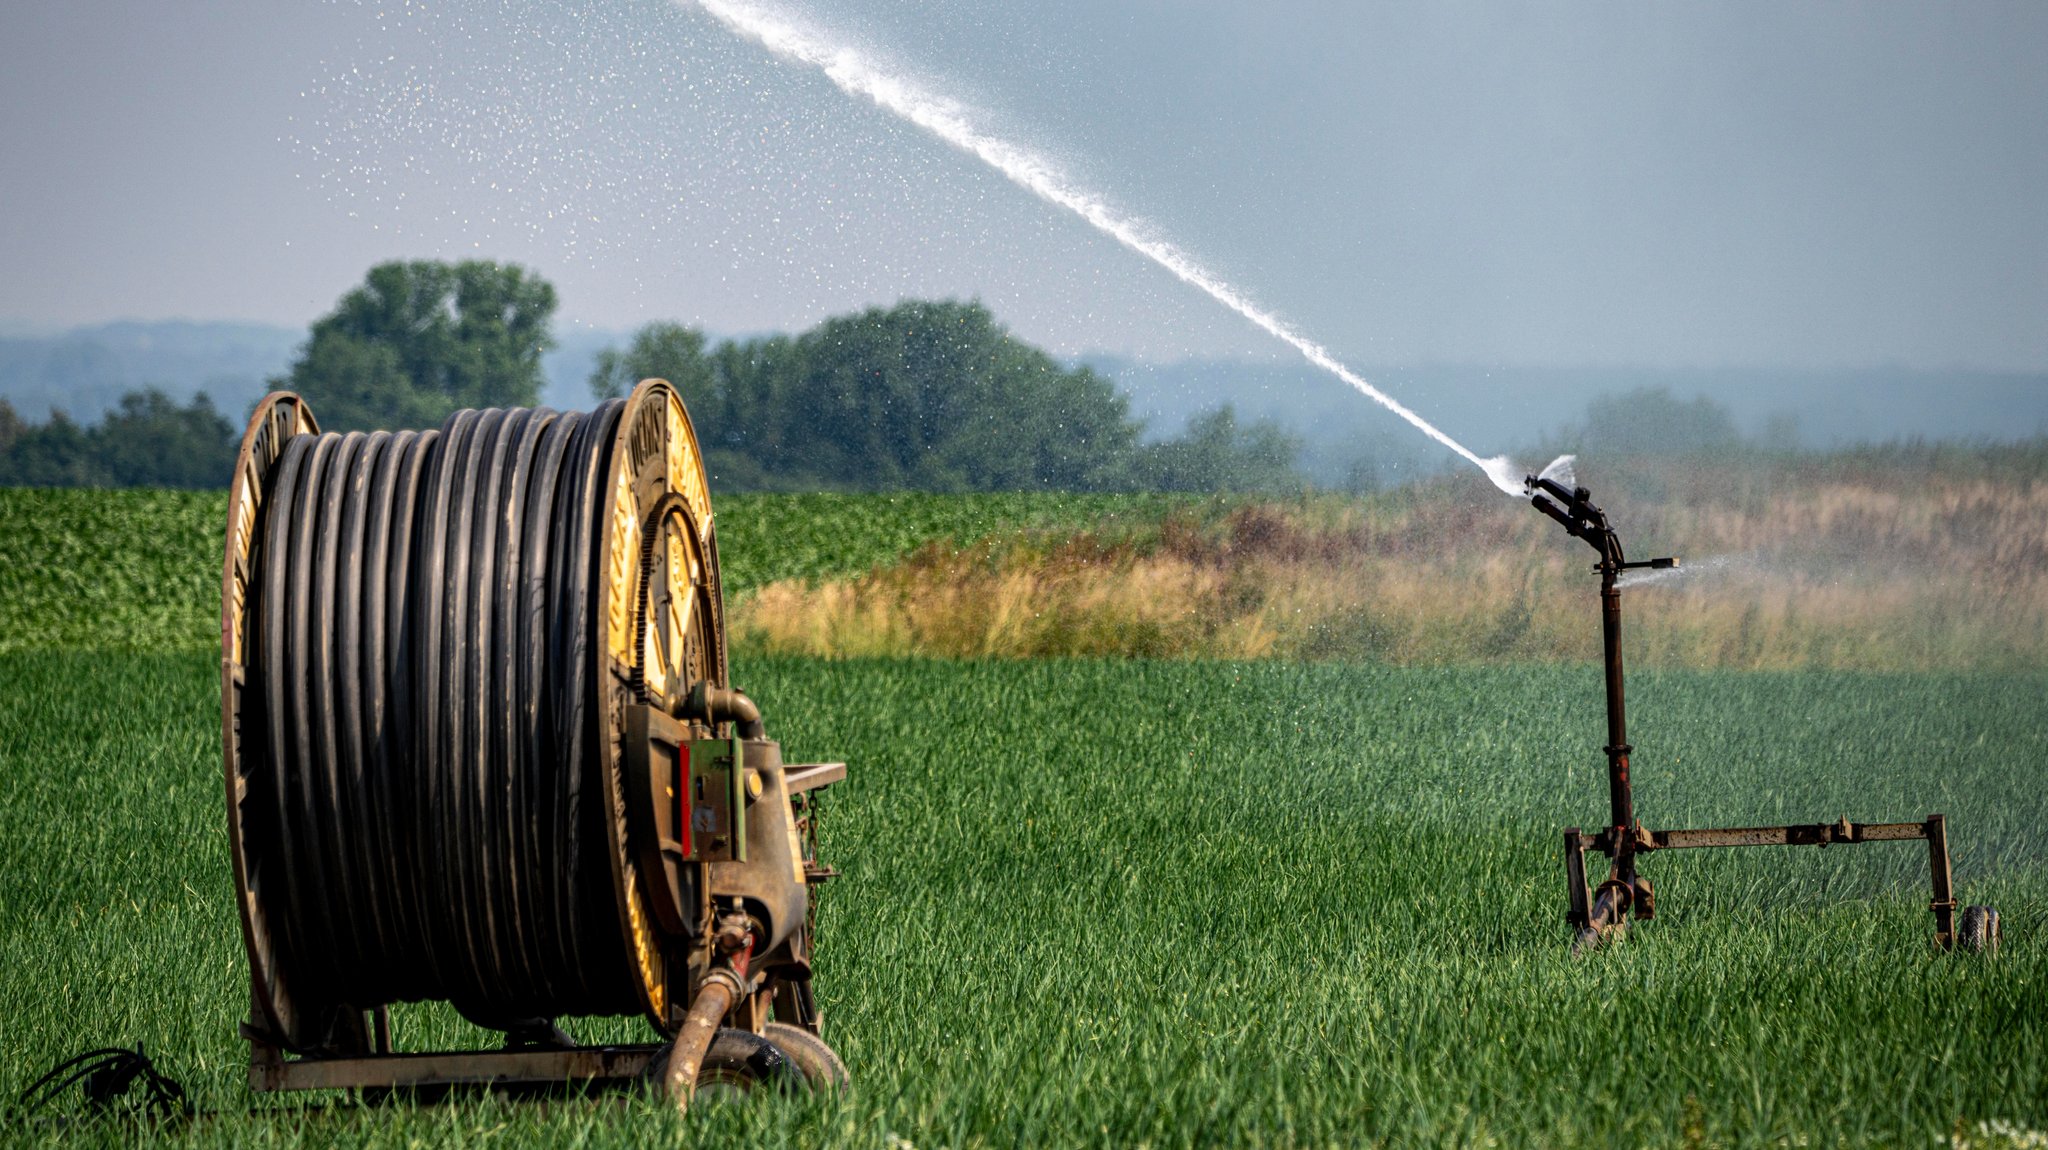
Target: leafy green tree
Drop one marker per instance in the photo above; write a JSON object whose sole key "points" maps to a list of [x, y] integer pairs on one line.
{"points": [[667, 351], [1218, 454], [53, 454], [751, 432], [733, 423], [360, 384], [927, 395], [420, 339], [938, 396], [149, 441]]}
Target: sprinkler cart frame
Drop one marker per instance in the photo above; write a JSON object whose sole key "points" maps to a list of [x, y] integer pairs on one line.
{"points": [[1603, 913]]}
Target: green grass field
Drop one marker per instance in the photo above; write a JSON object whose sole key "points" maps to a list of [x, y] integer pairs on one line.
{"points": [[1186, 903], [1153, 903]]}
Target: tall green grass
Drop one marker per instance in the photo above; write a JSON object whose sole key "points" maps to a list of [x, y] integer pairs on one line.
{"points": [[1176, 904], [1836, 568], [139, 570], [117, 570], [1829, 562]]}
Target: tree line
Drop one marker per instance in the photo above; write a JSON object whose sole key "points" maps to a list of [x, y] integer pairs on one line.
{"points": [[925, 395], [928, 396], [149, 440]]}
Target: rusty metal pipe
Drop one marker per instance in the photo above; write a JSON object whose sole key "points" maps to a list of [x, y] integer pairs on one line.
{"points": [[1621, 809], [722, 988], [715, 704]]}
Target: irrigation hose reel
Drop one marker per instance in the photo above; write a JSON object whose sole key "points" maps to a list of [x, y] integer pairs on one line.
{"points": [[482, 747]]}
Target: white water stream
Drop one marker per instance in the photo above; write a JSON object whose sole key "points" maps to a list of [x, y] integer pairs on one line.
{"points": [[945, 119]]}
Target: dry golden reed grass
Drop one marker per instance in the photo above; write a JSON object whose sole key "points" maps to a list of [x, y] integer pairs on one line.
{"points": [[1795, 565]]}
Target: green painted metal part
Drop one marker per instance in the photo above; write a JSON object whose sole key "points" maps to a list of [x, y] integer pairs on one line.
{"points": [[718, 808]]}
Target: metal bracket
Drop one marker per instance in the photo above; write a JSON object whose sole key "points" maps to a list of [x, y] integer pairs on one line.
{"points": [[1934, 829], [799, 777], [717, 799], [496, 1069]]}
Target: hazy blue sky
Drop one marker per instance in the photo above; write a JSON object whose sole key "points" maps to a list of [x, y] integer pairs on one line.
{"points": [[1664, 184]]}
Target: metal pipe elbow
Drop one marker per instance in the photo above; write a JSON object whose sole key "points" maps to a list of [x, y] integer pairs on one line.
{"points": [[711, 703]]}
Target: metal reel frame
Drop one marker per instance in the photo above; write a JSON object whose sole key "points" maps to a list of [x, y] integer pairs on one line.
{"points": [[659, 614]]}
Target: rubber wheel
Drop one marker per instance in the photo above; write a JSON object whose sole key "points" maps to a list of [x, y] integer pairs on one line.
{"points": [[741, 1062], [1979, 930], [819, 1065]]}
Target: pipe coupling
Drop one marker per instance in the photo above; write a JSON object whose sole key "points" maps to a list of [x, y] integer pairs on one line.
{"points": [[732, 980]]}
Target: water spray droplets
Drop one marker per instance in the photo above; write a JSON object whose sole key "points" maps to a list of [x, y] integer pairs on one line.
{"points": [[597, 136], [953, 123], [1710, 567], [1559, 471]]}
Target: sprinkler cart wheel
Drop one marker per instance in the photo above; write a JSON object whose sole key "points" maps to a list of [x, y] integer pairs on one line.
{"points": [[481, 747], [1603, 915], [737, 1063], [821, 1067], [1979, 931]]}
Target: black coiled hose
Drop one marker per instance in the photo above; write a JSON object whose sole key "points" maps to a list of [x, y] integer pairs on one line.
{"points": [[425, 666]]}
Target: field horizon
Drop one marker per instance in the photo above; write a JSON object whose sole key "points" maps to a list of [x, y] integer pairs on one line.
{"points": [[1899, 557]]}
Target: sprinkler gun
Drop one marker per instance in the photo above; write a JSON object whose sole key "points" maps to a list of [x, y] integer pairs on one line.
{"points": [[1604, 914]]}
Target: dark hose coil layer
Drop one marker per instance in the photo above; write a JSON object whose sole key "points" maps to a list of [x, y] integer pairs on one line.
{"points": [[424, 656]]}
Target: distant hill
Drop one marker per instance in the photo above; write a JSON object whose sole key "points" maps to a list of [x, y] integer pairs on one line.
{"points": [[85, 371], [568, 367], [1512, 409]]}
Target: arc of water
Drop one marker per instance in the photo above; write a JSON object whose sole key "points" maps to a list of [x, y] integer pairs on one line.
{"points": [[856, 76]]}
